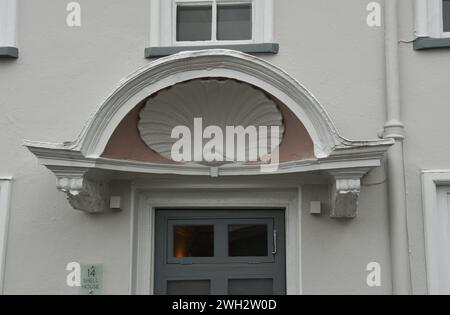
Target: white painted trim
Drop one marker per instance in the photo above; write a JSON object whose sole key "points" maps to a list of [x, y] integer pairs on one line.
{"points": [[296, 268], [149, 200], [163, 19], [435, 254], [155, 20], [185, 66], [132, 242], [70, 160], [429, 19], [421, 18], [5, 196], [65, 163], [268, 22], [8, 23]]}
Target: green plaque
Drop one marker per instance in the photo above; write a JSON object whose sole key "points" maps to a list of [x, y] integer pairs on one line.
{"points": [[91, 279]]}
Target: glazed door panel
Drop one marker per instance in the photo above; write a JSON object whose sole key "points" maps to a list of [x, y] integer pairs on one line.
{"points": [[218, 252]]}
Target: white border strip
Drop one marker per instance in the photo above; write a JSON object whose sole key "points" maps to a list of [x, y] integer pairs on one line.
{"points": [[431, 180], [5, 196], [8, 23], [429, 19]]}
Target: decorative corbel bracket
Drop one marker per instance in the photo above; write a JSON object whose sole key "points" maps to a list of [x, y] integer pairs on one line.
{"points": [[83, 194], [345, 192]]}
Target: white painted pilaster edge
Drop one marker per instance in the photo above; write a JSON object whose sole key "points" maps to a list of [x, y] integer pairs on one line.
{"points": [[5, 196], [269, 21], [431, 179], [421, 18], [428, 18], [8, 23]]}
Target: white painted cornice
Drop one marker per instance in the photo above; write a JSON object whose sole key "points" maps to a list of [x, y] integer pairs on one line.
{"points": [[356, 157], [91, 195]]}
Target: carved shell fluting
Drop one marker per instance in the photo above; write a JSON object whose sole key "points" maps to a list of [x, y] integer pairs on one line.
{"points": [[219, 103]]}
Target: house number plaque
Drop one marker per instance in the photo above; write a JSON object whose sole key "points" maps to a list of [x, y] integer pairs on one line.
{"points": [[91, 279]]}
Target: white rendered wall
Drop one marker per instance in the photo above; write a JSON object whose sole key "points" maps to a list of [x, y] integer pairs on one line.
{"points": [[63, 73]]}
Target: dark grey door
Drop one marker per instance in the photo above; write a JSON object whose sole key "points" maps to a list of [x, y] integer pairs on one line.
{"points": [[234, 252]]}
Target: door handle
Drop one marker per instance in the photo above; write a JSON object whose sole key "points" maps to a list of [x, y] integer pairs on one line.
{"points": [[275, 237]]}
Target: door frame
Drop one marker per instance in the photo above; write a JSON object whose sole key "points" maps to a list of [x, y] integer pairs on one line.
{"points": [[147, 200]]}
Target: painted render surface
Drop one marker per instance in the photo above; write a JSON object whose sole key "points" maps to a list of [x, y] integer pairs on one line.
{"points": [[63, 74]]}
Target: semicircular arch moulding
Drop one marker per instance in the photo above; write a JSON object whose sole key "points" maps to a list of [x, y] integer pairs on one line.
{"points": [[346, 161], [182, 67]]}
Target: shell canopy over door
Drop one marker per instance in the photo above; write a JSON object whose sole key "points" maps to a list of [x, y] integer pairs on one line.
{"points": [[220, 103]]}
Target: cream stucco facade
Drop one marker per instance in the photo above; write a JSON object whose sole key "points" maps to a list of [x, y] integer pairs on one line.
{"points": [[334, 73]]}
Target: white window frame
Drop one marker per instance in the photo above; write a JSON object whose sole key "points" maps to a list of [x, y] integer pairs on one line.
{"points": [[5, 196], [163, 23], [8, 23], [429, 19], [437, 252]]}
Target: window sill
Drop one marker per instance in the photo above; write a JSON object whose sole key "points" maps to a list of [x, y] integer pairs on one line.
{"points": [[9, 52], [423, 43], [267, 48]]}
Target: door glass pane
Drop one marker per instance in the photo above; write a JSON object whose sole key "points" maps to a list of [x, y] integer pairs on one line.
{"points": [[234, 21], [247, 240], [193, 241], [250, 287], [194, 23], [196, 287], [446, 11]]}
